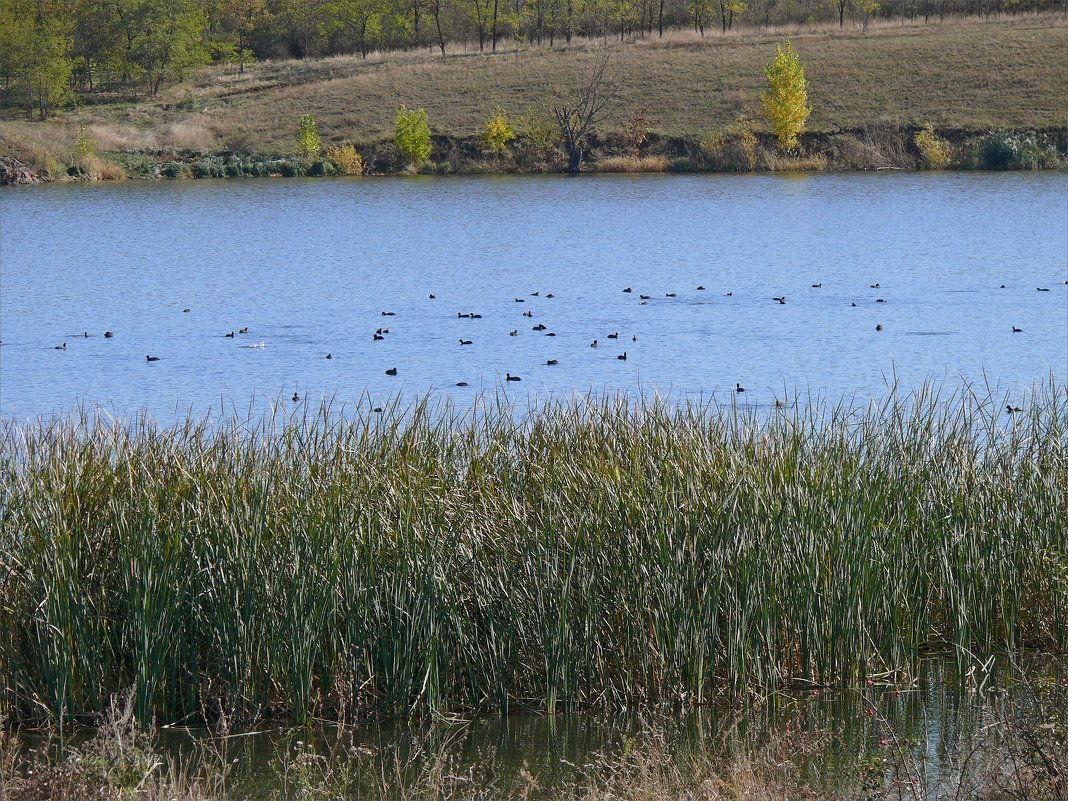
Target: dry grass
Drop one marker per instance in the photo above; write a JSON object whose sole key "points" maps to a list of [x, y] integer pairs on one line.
{"points": [[965, 74], [632, 164]]}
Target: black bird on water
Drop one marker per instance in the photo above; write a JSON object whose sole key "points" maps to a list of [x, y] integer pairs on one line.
{"points": [[389, 314], [700, 287], [391, 371], [377, 337], [781, 300], [61, 347], [643, 297], [528, 314], [550, 295], [1043, 289], [466, 342], [520, 300], [510, 377], [879, 327], [552, 361], [151, 358], [622, 357], [817, 286], [514, 332], [230, 335], [461, 383], [1010, 409], [613, 335], [1016, 330], [593, 344], [185, 311], [538, 327], [108, 335], [296, 398], [329, 356], [738, 387], [672, 295], [628, 289], [432, 296], [243, 330]]}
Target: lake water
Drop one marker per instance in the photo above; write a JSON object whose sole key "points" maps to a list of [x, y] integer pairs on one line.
{"points": [[308, 266]]}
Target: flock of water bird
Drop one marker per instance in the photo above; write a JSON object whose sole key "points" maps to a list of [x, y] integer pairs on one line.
{"points": [[382, 332]]}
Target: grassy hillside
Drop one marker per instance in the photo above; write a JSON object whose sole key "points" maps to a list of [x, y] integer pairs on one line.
{"points": [[973, 75]]}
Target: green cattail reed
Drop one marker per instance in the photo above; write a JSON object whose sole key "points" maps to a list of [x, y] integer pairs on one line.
{"points": [[430, 560]]}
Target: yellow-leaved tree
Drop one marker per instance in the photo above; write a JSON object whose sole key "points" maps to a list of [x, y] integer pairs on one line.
{"points": [[786, 98]]}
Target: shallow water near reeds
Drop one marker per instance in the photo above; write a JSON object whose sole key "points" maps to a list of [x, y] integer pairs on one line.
{"points": [[308, 267], [925, 729]]}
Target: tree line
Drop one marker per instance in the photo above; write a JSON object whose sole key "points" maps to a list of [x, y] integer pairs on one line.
{"points": [[54, 50]]}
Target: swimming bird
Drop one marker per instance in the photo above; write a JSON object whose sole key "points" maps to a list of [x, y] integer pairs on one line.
{"points": [[874, 286], [781, 300], [551, 362], [377, 338], [461, 314], [538, 327], [382, 331], [243, 330], [634, 338], [879, 327], [86, 334], [108, 335], [510, 377], [296, 398], [593, 344], [528, 314], [1002, 286], [551, 334], [700, 287], [520, 300], [550, 295], [779, 404], [817, 286], [185, 311], [730, 294], [628, 289], [1013, 409], [377, 410], [476, 316], [329, 356], [230, 335], [880, 300], [672, 295], [61, 347], [644, 297], [389, 314], [613, 335], [1016, 330], [461, 383], [151, 358], [514, 332], [738, 387], [534, 294], [622, 357], [854, 305], [391, 371], [432, 296], [1043, 289], [466, 342]]}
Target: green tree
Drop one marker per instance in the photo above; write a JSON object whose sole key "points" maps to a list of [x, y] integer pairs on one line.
{"points": [[786, 98], [411, 135], [309, 144], [498, 132], [36, 61]]}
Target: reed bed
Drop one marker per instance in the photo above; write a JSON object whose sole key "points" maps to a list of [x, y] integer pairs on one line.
{"points": [[430, 560]]}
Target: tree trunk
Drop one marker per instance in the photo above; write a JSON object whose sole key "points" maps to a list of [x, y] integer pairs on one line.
{"points": [[493, 29], [660, 19]]}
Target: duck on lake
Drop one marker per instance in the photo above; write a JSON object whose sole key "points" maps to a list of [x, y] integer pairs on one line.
{"points": [[466, 342], [739, 388], [61, 347], [510, 377], [108, 335], [1016, 330], [622, 357], [391, 371], [151, 358]]}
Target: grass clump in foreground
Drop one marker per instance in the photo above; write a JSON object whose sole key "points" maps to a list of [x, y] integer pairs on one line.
{"points": [[606, 552]]}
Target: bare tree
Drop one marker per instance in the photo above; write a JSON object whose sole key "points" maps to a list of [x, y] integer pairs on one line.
{"points": [[594, 99]]}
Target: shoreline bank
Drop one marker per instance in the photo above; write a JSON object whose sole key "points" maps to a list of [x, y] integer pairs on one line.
{"points": [[736, 149]]}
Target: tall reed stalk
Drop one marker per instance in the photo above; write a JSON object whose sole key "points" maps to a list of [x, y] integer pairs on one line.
{"points": [[432, 560]]}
